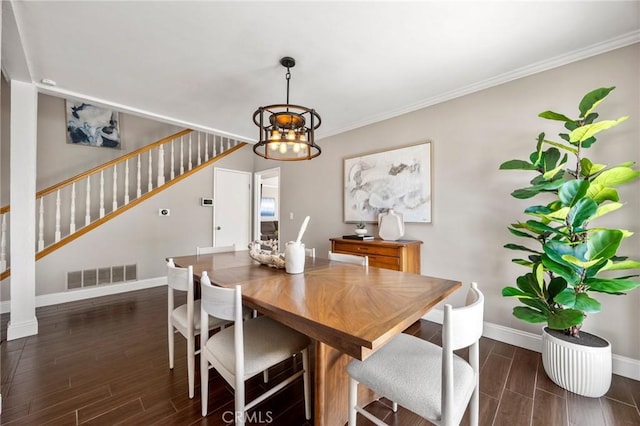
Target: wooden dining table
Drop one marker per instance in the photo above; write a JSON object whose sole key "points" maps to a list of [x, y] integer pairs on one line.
{"points": [[349, 310]]}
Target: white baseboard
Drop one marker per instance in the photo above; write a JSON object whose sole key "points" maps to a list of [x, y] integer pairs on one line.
{"points": [[22, 329], [621, 365], [91, 292]]}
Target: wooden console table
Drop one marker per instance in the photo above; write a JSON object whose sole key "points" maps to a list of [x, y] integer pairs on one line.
{"points": [[401, 255]]}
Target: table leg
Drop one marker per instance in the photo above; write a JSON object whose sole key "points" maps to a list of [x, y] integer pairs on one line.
{"points": [[332, 387]]}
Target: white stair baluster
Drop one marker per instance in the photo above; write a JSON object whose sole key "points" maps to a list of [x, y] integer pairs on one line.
{"points": [[206, 147], [139, 179], [199, 161], [215, 151], [150, 174], [41, 226], [173, 161], [228, 144], [101, 194], [114, 205], [72, 212], [161, 165], [3, 243], [126, 181], [181, 156], [57, 233], [87, 214], [190, 154]]}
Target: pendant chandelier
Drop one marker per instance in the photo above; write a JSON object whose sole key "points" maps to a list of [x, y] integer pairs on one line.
{"points": [[286, 131]]}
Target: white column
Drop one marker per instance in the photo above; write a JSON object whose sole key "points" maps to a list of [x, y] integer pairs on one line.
{"points": [[24, 118]]}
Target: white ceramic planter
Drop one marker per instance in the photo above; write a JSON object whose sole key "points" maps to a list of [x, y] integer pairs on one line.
{"points": [[579, 368]]}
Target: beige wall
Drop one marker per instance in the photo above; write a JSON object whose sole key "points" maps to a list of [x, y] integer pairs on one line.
{"points": [[58, 160], [472, 136]]}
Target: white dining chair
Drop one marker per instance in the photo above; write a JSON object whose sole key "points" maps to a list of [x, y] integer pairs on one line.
{"points": [[211, 250], [246, 349], [427, 379], [349, 258], [185, 318], [310, 252]]}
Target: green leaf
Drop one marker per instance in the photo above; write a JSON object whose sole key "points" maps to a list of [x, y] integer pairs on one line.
{"points": [[519, 247], [521, 234], [539, 271], [562, 146], [599, 193], [569, 274], [527, 283], [616, 176], [580, 263], [559, 215], [611, 285], [529, 315], [583, 133], [619, 266], [593, 99], [542, 228], [538, 210], [564, 319], [572, 191], [556, 285], [536, 189], [566, 297], [587, 168], [603, 244], [586, 303], [584, 210], [550, 115], [606, 209], [522, 262], [517, 165], [553, 172], [514, 292]]}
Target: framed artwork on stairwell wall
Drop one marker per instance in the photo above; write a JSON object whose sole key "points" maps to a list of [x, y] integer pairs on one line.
{"points": [[398, 179], [90, 125]]}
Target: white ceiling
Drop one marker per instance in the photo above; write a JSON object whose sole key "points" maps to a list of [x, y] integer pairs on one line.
{"points": [[210, 64]]}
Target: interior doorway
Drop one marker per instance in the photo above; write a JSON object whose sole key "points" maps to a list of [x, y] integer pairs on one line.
{"points": [[232, 208], [266, 225]]}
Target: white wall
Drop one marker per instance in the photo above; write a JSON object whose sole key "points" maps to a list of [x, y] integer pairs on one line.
{"points": [[472, 208]]}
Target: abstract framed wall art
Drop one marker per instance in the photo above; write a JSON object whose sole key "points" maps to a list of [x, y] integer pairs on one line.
{"points": [[398, 179], [90, 125]]}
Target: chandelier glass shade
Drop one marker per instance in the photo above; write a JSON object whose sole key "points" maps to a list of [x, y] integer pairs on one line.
{"points": [[287, 132]]}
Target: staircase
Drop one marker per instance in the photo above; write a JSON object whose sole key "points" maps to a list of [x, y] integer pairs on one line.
{"points": [[71, 208]]}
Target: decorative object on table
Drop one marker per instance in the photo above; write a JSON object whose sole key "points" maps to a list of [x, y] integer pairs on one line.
{"points": [[92, 126], [286, 131], [564, 268], [390, 225], [399, 179], [266, 257], [358, 237], [294, 254], [361, 229]]}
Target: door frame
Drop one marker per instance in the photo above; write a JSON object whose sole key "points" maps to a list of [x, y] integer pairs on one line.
{"points": [[257, 181]]}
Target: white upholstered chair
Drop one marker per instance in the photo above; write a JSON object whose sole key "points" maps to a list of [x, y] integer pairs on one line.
{"points": [[184, 319], [427, 379], [349, 258], [210, 250], [246, 349]]}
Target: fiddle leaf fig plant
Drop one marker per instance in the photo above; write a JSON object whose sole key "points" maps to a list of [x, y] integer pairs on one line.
{"points": [[568, 260]]}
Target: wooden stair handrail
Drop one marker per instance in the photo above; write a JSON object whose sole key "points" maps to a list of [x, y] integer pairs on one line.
{"points": [[66, 240], [104, 166]]}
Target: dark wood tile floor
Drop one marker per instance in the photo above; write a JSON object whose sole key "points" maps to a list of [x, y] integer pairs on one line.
{"points": [[104, 362]]}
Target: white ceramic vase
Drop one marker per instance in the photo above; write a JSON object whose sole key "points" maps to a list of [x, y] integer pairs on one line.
{"points": [[360, 231], [294, 257], [390, 225], [578, 368]]}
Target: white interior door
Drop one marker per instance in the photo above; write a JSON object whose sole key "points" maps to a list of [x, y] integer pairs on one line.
{"points": [[232, 208]]}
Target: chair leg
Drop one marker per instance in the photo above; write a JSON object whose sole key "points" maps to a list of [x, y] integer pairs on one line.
{"points": [[170, 340], [204, 383], [394, 407], [474, 408], [307, 384], [191, 368], [353, 401], [240, 412], [265, 376]]}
